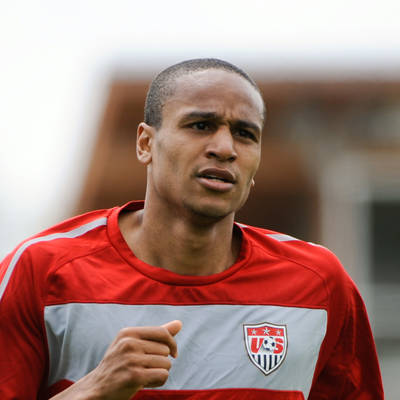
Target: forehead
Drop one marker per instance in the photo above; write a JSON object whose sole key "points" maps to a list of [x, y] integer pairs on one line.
{"points": [[219, 91]]}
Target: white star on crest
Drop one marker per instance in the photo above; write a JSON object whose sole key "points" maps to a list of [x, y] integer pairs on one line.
{"points": [[266, 331]]}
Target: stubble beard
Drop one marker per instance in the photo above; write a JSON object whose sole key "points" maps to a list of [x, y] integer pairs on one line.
{"points": [[205, 214], [208, 214]]}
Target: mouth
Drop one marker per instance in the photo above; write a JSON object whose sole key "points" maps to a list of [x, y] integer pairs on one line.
{"points": [[217, 180], [222, 175]]}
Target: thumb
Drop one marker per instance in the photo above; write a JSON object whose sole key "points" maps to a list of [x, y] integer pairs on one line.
{"points": [[173, 326]]}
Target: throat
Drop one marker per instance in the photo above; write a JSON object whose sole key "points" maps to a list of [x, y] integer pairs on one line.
{"points": [[195, 256], [184, 247], [186, 250]]}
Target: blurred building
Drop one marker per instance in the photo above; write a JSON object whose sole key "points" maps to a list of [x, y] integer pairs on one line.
{"points": [[330, 174]]}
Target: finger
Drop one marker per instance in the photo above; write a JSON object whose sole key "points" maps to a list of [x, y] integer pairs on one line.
{"points": [[159, 334], [173, 326], [157, 348], [154, 377], [135, 345], [151, 361]]}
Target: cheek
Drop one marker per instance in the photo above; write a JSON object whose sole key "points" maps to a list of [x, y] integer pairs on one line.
{"points": [[169, 160], [162, 155], [252, 162]]}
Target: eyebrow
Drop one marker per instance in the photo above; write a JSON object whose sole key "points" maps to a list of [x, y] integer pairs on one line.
{"points": [[210, 115]]}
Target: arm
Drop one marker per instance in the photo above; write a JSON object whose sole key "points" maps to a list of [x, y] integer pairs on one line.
{"points": [[137, 358], [23, 357], [352, 370]]}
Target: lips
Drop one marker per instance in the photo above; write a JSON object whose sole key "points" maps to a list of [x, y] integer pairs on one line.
{"points": [[216, 179], [217, 174]]}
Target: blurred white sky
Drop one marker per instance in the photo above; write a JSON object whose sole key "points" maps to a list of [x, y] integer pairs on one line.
{"points": [[58, 57]]}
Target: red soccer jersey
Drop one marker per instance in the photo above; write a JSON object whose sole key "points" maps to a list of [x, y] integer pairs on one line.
{"points": [[284, 322]]}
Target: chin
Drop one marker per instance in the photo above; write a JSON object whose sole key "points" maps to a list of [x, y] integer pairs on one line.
{"points": [[209, 212]]}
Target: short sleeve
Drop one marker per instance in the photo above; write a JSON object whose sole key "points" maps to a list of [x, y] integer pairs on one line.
{"points": [[23, 354], [352, 370]]}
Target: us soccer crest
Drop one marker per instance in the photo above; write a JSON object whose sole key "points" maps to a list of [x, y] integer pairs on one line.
{"points": [[266, 345]]}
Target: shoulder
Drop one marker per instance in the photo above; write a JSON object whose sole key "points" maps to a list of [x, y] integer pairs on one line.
{"points": [[81, 231], [69, 239], [304, 255]]}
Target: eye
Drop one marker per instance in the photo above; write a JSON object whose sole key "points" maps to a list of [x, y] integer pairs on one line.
{"points": [[244, 133], [200, 125]]}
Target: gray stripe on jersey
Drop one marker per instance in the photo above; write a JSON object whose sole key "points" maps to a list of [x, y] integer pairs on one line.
{"points": [[212, 352], [81, 230], [281, 237]]}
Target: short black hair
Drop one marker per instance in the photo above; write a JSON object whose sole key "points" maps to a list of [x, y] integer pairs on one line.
{"points": [[162, 87]]}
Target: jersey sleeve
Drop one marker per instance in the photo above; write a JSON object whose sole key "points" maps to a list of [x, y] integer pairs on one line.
{"points": [[351, 369], [23, 354]]}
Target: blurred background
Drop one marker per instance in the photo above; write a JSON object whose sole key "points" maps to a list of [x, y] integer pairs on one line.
{"points": [[73, 78]]}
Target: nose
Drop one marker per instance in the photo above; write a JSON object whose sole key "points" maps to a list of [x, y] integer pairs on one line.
{"points": [[221, 145]]}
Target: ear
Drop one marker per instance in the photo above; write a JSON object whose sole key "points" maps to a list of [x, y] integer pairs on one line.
{"points": [[144, 141]]}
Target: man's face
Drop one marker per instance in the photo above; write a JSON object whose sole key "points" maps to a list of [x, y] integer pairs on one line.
{"points": [[207, 150]]}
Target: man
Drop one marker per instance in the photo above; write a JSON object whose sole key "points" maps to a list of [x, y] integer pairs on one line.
{"points": [[170, 299]]}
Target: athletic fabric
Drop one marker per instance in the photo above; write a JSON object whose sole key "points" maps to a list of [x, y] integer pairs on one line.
{"points": [[284, 322]]}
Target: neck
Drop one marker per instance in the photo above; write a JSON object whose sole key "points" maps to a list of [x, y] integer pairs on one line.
{"points": [[186, 247]]}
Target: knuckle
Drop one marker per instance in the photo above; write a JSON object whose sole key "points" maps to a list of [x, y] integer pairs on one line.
{"points": [[126, 345], [163, 331], [164, 376], [164, 350], [120, 335], [124, 332], [159, 331], [136, 374], [168, 364], [161, 378]]}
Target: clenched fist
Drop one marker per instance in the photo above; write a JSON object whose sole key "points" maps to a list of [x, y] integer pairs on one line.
{"points": [[138, 357]]}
